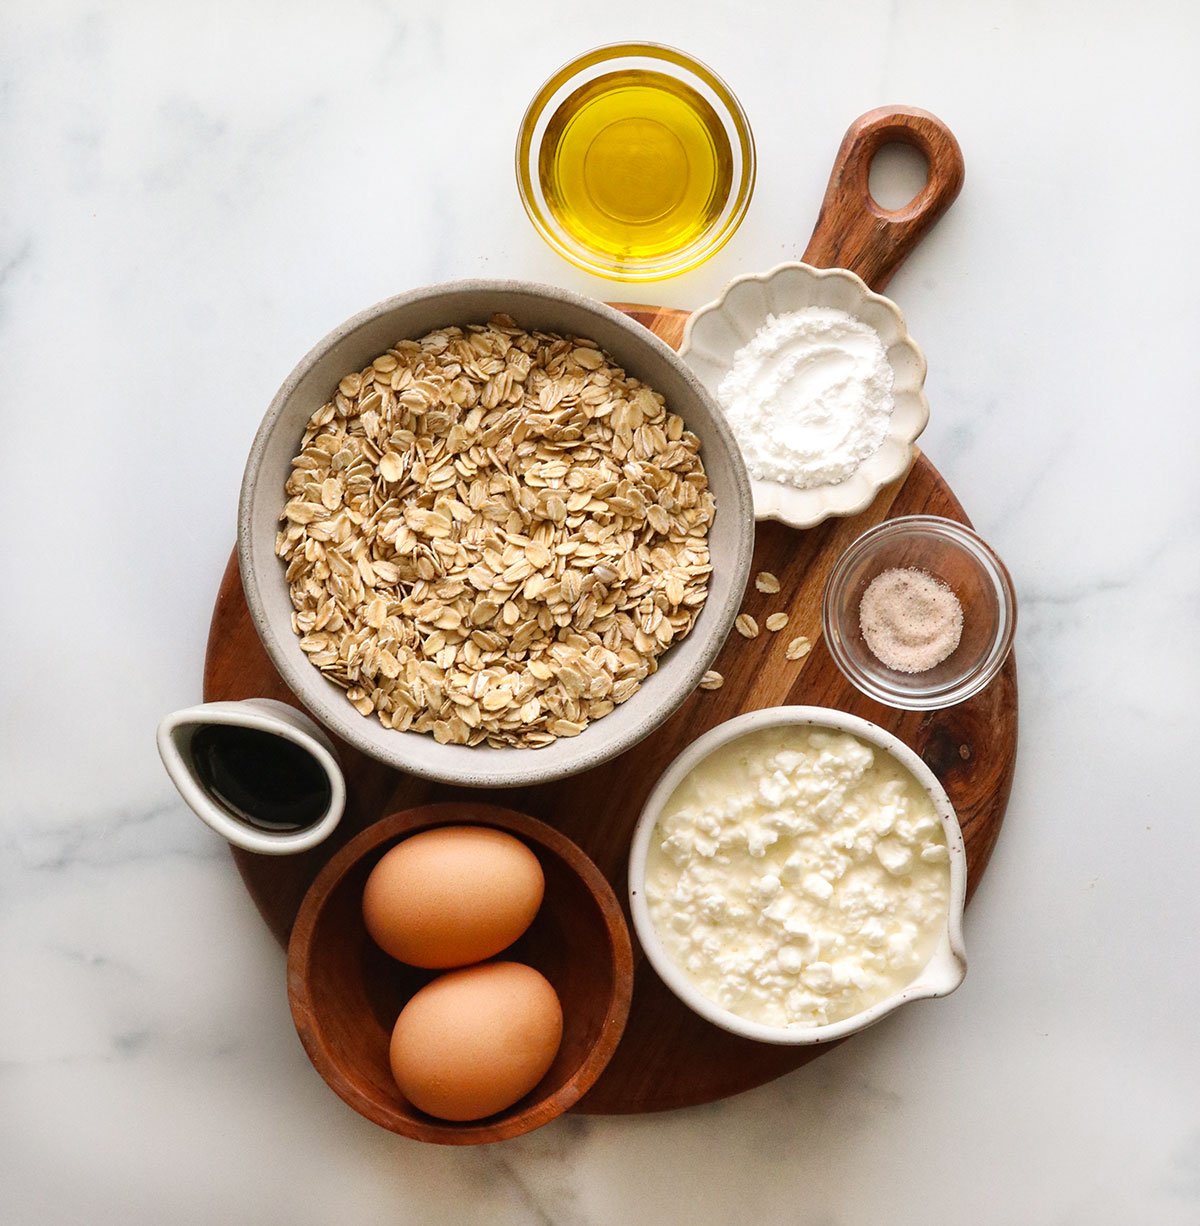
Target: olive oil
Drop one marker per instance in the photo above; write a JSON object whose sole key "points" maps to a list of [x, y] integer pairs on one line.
{"points": [[636, 164]]}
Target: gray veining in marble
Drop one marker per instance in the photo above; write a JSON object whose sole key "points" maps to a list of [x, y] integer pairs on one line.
{"points": [[190, 195]]}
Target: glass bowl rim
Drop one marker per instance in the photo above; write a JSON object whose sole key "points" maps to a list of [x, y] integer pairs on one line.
{"points": [[671, 264], [960, 688]]}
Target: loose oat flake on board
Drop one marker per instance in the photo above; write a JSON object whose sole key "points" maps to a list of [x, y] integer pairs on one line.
{"points": [[746, 626], [492, 535]]}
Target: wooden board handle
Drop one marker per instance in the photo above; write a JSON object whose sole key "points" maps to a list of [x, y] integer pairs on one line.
{"points": [[852, 230]]}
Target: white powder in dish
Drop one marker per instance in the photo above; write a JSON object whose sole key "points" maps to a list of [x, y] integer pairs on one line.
{"points": [[809, 397]]}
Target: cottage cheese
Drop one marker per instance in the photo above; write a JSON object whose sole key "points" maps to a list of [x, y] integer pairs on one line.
{"points": [[799, 876]]}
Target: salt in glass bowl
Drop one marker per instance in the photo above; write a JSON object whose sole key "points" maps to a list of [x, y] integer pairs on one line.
{"points": [[959, 558]]}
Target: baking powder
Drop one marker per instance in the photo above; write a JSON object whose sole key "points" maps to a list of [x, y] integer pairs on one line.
{"points": [[809, 397]]}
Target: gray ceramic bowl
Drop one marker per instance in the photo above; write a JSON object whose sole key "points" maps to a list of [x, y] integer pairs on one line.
{"points": [[364, 337]]}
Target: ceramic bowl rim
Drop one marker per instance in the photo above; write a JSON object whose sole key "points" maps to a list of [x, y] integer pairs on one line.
{"points": [[264, 715], [805, 508], [939, 977], [419, 754]]}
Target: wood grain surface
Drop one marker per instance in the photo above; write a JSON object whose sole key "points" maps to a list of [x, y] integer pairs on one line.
{"points": [[669, 1057], [346, 993]]}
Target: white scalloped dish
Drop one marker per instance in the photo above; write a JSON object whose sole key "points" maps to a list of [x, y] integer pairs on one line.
{"points": [[717, 331]]}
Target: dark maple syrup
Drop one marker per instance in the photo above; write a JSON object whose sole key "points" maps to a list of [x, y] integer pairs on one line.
{"points": [[261, 779]]}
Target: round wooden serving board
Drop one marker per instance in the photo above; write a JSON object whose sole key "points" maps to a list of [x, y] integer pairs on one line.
{"points": [[668, 1056]]}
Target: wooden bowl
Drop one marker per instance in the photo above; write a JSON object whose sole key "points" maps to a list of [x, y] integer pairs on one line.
{"points": [[346, 993]]}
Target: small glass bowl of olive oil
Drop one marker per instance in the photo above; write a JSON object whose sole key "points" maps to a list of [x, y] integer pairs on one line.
{"points": [[635, 161]]}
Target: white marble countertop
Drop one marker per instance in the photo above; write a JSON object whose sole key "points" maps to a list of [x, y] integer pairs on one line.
{"points": [[193, 194]]}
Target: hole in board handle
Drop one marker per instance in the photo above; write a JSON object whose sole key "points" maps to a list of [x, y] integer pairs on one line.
{"points": [[899, 172]]}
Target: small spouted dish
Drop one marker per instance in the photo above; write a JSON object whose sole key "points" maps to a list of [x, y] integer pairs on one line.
{"points": [[797, 874]]}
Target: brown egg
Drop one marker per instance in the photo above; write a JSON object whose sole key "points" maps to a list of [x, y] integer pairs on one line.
{"points": [[474, 1041], [452, 896]]}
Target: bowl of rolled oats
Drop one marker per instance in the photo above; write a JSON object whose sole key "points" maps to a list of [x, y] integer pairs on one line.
{"points": [[493, 533]]}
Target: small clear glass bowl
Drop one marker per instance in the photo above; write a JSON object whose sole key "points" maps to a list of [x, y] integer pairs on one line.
{"points": [[618, 57], [966, 564]]}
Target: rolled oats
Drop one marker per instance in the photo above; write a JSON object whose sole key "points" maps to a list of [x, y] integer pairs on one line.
{"points": [[798, 648], [492, 535], [746, 626]]}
